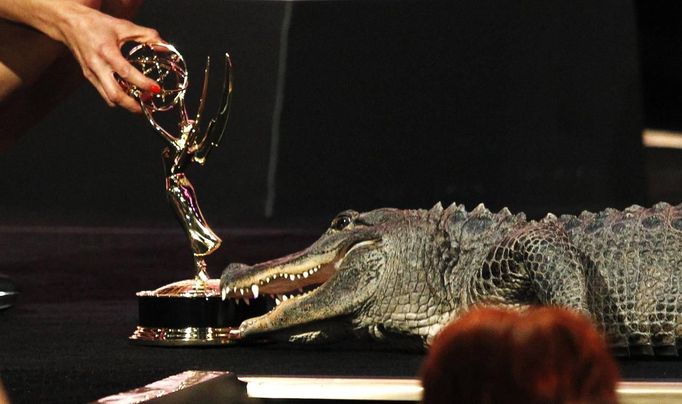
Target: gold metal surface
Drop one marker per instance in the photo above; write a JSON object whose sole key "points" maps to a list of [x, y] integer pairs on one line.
{"points": [[182, 197], [187, 144], [190, 336], [185, 288]]}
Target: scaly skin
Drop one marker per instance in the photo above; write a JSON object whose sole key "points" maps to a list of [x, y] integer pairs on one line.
{"points": [[401, 275]]}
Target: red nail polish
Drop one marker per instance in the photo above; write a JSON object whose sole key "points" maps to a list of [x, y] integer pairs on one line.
{"points": [[145, 97], [155, 89]]}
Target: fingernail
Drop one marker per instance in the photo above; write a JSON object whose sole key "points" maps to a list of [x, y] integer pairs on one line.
{"points": [[145, 97], [155, 89]]}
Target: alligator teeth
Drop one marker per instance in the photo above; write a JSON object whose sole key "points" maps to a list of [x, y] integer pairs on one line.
{"points": [[241, 292], [306, 274], [267, 280], [298, 276], [254, 290], [223, 293], [292, 277], [285, 298], [247, 301], [277, 301]]}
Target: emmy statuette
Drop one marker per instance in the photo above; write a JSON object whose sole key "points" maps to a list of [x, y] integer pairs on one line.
{"points": [[191, 311]]}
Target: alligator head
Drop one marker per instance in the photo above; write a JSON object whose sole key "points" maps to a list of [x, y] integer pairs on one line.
{"points": [[349, 279]]}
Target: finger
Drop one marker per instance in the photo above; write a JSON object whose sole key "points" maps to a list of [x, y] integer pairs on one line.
{"points": [[132, 32], [112, 89], [89, 73], [130, 74], [125, 101], [161, 47], [129, 103]]}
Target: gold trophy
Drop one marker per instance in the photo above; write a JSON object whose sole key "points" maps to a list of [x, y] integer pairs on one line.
{"points": [[188, 312]]}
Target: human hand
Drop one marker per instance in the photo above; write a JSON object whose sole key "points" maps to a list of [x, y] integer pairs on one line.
{"points": [[95, 39]]}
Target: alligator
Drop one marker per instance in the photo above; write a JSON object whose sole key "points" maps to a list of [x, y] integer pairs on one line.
{"points": [[400, 275]]}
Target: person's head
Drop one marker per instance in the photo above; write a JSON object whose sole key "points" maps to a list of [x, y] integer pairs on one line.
{"points": [[543, 355]]}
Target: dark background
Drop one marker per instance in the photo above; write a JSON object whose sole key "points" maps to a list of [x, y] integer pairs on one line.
{"points": [[660, 38], [537, 106]]}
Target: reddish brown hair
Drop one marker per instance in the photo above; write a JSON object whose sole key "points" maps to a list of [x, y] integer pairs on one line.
{"points": [[543, 355]]}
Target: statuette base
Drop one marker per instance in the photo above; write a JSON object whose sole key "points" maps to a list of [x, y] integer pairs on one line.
{"points": [[190, 336], [191, 313]]}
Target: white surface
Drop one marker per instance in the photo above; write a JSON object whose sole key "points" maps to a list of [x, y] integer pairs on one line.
{"points": [[333, 388]]}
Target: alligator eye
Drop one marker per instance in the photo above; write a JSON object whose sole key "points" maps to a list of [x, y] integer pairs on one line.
{"points": [[341, 222]]}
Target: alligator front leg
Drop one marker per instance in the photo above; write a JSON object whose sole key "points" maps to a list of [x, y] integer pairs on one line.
{"points": [[537, 264], [555, 267], [322, 332]]}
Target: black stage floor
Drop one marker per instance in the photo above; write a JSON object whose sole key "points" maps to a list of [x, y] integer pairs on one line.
{"points": [[66, 339]]}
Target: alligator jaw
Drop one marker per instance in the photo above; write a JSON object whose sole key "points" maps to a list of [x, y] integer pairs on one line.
{"points": [[294, 311], [278, 278], [284, 280]]}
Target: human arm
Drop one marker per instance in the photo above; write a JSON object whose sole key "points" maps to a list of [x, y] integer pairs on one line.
{"points": [[93, 37]]}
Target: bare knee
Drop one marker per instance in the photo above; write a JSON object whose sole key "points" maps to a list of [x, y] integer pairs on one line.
{"points": [[19, 67]]}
